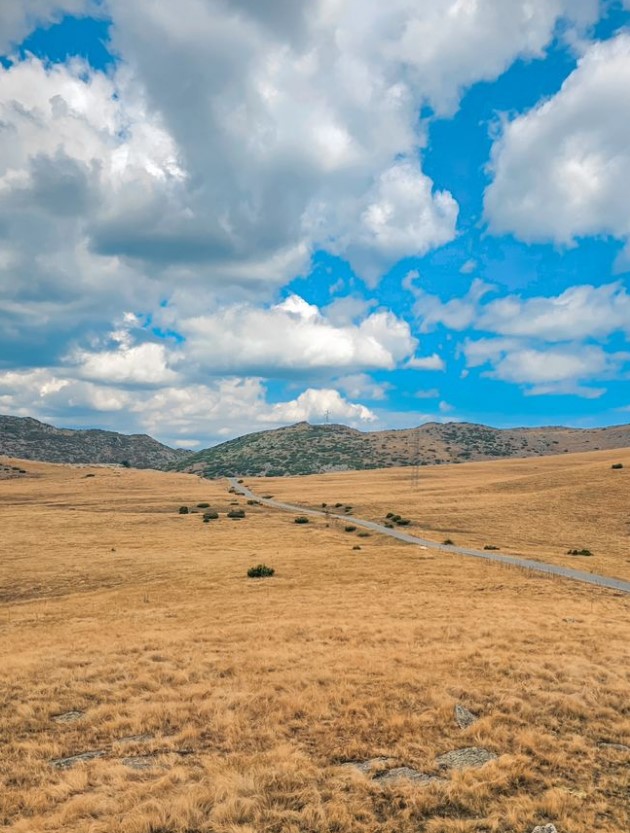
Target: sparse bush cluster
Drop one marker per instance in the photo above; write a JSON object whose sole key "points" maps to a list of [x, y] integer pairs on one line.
{"points": [[584, 552], [301, 519], [391, 518], [210, 516], [236, 514], [260, 571], [490, 547]]}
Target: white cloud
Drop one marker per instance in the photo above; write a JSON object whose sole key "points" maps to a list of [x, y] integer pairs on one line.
{"points": [[579, 312], [142, 364], [432, 362], [362, 386], [456, 313], [292, 335], [560, 170], [549, 370], [317, 404]]}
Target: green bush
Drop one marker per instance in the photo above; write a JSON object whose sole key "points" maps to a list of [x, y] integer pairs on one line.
{"points": [[403, 521], [388, 525], [301, 519], [236, 514], [356, 547], [183, 510], [324, 505], [253, 503], [449, 542], [348, 509], [349, 528], [490, 547], [363, 534], [260, 571], [580, 552], [389, 515], [617, 466], [203, 505], [210, 516], [395, 518]]}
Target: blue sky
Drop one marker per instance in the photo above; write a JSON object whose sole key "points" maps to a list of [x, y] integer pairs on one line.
{"points": [[219, 217]]}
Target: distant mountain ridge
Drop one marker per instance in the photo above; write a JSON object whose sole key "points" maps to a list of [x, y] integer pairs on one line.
{"points": [[313, 449], [29, 439]]}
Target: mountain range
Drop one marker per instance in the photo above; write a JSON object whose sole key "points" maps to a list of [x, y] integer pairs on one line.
{"points": [[303, 448], [310, 449], [29, 439]]}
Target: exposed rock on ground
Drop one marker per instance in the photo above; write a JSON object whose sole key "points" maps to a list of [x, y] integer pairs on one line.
{"points": [[463, 717], [465, 758]]}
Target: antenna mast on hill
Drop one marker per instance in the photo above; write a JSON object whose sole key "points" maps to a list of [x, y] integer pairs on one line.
{"points": [[327, 417]]}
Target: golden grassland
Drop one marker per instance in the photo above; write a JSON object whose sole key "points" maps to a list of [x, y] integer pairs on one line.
{"points": [[250, 694], [538, 508]]}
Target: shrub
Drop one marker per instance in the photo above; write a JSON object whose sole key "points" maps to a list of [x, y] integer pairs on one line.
{"points": [[448, 542], [356, 547], [260, 571], [253, 503], [403, 521], [240, 481], [324, 505], [617, 466], [203, 505], [183, 510], [348, 509], [579, 552], [301, 519], [490, 547], [395, 518], [389, 515], [210, 516], [363, 534], [388, 525], [236, 514], [349, 528], [338, 505], [267, 497]]}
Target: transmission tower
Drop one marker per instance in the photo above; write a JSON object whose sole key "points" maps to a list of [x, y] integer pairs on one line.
{"points": [[414, 447]]}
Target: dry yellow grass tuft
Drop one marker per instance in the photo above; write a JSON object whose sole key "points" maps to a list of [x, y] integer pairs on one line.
{"points": [[223, 704]]}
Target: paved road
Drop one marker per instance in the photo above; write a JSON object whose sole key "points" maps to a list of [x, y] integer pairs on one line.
{"points": [[512, 561]]}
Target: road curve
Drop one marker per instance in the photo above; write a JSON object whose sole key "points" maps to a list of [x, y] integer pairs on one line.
{"points": [[510, 560]]}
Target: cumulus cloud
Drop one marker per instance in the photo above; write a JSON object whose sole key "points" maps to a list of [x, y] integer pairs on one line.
{"points": [[432, 362], [363, 386], [560, 170], [580, 312], [292, 335], [549, 370]]}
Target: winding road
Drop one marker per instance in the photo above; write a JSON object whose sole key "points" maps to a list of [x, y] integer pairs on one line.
{"points": [[509, 560]]}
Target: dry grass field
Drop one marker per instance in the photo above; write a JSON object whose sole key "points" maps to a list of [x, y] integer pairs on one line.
{"points": [[222, 704], [539, 508]]}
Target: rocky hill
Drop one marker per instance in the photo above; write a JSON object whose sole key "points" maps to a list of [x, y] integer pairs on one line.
{"points": [[29, 439], [311, 449]]}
